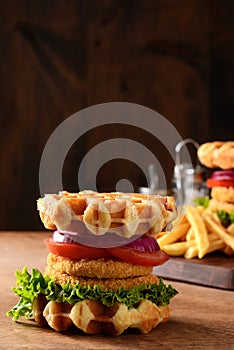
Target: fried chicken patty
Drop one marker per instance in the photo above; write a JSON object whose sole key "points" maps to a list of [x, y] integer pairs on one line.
{"points": [[215, 205], [223, 194], [100, 268], [107, 283]]}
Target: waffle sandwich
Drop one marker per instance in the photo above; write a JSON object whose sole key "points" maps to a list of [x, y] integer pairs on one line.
{"points": [[99, 274]]}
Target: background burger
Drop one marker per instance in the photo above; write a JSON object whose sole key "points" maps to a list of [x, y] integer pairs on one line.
{"points": [[99, 267], [219, 157]]}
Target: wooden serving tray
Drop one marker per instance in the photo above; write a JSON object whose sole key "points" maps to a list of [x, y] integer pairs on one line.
{"points": [[216, 270]]}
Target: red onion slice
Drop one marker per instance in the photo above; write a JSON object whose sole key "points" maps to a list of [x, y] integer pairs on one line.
{"points": [[223, 175], [62, 238], [148, 244]]}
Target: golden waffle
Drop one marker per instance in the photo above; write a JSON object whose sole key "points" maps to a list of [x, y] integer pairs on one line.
{"points": [[217, 154], [93, 317], [126, 214]]}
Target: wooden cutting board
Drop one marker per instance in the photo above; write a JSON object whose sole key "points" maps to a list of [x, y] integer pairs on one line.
{"points": [[216, 270]]}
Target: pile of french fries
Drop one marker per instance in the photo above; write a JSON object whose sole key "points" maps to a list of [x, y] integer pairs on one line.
{"points": [[197, 233]]}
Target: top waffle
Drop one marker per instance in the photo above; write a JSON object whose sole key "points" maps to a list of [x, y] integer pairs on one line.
{"points": [[126, 214]]}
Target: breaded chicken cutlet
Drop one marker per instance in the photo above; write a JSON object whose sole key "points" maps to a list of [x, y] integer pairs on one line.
{"points": [[106, 273]]}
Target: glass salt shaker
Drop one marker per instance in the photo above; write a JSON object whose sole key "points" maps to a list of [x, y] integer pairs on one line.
{"points": [[188, 181]]}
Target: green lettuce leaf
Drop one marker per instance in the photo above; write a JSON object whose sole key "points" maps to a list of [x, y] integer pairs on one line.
{"points": [[226, 218], [203, 201], [31, 285]]}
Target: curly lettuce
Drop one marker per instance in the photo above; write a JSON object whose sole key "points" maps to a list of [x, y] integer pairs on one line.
{"points": [[31, 285], [226, 218], [202, 201]]}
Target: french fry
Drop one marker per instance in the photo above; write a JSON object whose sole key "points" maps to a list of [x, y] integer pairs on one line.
{"points": [[176, 249], [215, 244], [230, 229], [181, 219], [228, 251], [190, 234], [218, 244], [200, 209], [174, 235], [200, 231], [159, 234], [212, 237], [191, 252], [220, 231]]}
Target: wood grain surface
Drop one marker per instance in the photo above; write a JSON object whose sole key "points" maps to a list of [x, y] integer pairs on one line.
{"points": [[201, 317]]}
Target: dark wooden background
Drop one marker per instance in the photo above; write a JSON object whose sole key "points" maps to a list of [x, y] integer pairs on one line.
{"points": [[58, 57]]}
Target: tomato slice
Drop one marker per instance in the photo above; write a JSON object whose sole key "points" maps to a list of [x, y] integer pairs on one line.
{"points": [[75, 251], [223, 183], [139, 257]]}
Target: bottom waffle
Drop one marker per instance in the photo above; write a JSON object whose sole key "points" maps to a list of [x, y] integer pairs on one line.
{"points": [[93, 317]]}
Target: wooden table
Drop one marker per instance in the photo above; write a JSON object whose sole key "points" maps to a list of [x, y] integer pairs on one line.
{"points": [[201, 317]]}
